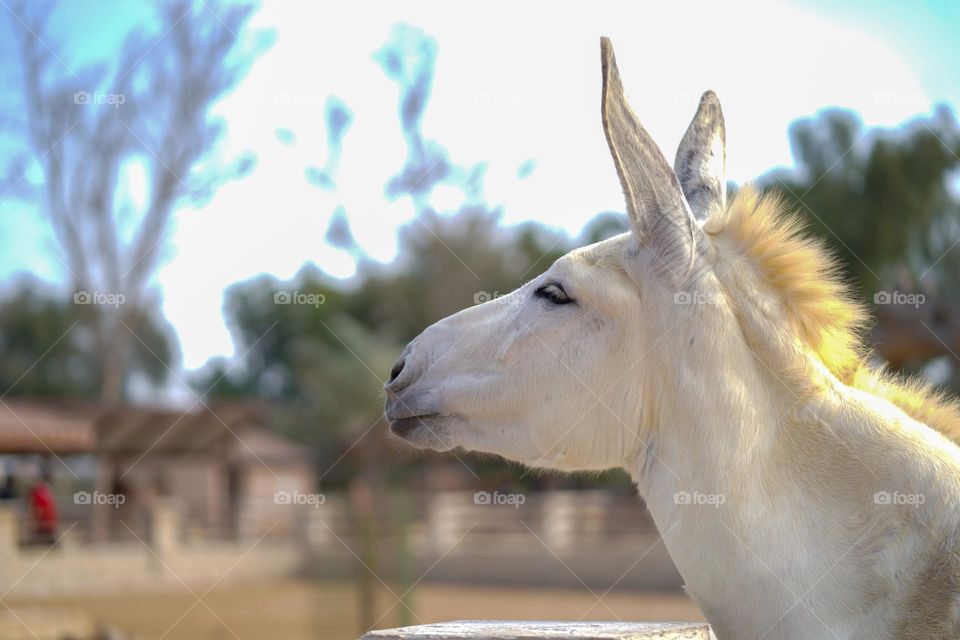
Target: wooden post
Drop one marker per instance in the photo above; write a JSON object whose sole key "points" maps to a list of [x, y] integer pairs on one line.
{"points": [[513, 630], [559, 521], [446, 519], [362, 509], [404, 558], [164, 527], [9, 530], [101, 515]]}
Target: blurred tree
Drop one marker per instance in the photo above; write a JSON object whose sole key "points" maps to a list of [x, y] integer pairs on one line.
{"points": [[322, 364], [338, 121], [306, 354], [50, 351], [90, 131], [317, 349], [886, 200], [465, 255]]}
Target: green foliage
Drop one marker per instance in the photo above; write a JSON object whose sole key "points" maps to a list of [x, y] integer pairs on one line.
{"points": [[876, 195], [51, 348]]}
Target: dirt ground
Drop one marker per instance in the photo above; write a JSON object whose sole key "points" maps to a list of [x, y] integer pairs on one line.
{"points": [[297, 610]]}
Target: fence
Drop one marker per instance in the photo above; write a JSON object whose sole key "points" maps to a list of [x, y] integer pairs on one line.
{"points": [[556, 539], [562, 520], [480, 538], [500, 630], [159, 557]]}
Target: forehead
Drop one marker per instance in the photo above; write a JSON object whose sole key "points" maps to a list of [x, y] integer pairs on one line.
{"points": [[598, 254], [594, 259]]}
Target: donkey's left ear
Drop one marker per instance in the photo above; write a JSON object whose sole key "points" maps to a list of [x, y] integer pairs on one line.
{"points": [[659, 215], [701, 159]]}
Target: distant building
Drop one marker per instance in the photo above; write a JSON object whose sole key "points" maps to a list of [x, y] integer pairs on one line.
{"points": [[227, 475]]}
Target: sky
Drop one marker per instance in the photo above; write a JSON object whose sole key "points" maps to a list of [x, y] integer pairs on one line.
{"points": [[515, 85]]}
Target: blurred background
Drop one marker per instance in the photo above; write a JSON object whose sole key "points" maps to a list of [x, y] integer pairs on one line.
{"points": [[220, 223]]}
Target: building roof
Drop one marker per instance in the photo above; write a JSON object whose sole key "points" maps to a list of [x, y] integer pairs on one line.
{"points": [[35, 427], [214, 428], [254, 445], [232, 431]]}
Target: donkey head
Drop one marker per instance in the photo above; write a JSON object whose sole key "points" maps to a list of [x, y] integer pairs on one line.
{"points": [[566, 371]]}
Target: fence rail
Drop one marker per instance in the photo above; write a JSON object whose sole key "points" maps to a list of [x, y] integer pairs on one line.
{"points": [[562, 520], [512, 630]]}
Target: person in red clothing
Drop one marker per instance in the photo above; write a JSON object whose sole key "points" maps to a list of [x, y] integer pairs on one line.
{"points": [[44, 509]]}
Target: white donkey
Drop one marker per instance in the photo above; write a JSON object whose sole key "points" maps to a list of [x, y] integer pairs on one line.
{"points": [[713, 353]]}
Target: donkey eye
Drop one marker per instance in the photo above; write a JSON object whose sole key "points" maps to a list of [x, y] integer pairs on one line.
{"points": [[554, 293]]}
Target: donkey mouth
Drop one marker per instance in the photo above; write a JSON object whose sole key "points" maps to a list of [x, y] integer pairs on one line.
{"points": [[426, 431], [404, 427]]}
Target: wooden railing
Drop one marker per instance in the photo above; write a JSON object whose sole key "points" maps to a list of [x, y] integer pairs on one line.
{"points": [[514, 630], [563, 520]]}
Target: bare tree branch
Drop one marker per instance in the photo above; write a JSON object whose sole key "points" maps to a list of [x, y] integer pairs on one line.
{"points": [[85, 128]]}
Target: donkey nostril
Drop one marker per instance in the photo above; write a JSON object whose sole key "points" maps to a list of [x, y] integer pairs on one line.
{"points": [[397, 368]]}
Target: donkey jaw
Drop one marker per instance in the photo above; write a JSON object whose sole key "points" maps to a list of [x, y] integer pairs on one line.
{"points": [[425, 432]]}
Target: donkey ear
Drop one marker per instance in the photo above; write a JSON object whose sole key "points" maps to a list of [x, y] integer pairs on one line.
{"points": [[701, 159], [659, 214]]}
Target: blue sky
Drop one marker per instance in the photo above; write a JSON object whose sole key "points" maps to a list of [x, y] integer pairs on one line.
{"points": [[513, 83]]}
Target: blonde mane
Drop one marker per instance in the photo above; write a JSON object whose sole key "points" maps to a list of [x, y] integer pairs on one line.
{"points": [[821, 306]]}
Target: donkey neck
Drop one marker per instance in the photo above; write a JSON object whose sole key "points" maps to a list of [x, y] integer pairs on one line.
{"points": [[741, 486], [705, 445], [705, 461]]}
